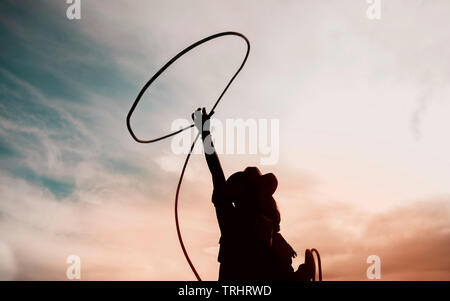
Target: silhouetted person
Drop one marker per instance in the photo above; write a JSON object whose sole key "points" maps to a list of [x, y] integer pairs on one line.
{"points": [[251, 247]]}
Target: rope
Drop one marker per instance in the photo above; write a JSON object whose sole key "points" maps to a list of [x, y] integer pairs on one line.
{"points": [[318, 263], [141, 93]]}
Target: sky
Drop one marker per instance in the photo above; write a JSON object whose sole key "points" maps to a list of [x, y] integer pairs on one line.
{"points": [[362, 104]]}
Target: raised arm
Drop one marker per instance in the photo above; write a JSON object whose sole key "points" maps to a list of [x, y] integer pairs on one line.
{"points": [[202, 122], [222, 203]]}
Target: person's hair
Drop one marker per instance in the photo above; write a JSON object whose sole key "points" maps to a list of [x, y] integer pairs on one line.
{"points": [[270, 210]]}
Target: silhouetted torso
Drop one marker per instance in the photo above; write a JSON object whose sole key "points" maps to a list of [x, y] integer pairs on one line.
{"points": [[243, 254]]}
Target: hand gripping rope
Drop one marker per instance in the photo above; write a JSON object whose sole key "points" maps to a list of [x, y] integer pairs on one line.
{"points": [[138, 98]]}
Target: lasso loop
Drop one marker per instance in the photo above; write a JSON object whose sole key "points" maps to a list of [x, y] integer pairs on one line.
{"points": [[141, 93]]}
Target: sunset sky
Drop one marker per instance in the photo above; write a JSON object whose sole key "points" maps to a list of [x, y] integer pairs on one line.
{"points": [[363, 107]]}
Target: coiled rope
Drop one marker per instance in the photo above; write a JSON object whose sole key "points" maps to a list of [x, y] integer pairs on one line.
{"points": [[319, 264]]}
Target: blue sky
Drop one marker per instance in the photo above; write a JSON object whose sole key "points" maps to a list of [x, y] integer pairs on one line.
{"points": [[38, 60], [363, 108]]}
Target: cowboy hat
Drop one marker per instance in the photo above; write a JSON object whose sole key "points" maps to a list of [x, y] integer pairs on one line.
{"points": [[251, 180]]}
